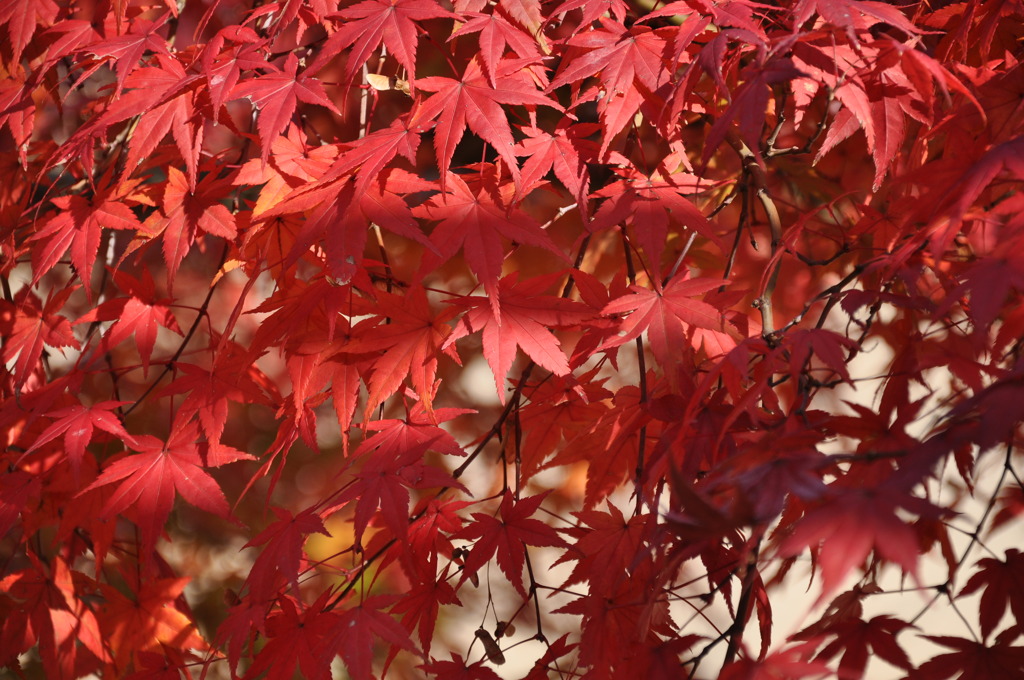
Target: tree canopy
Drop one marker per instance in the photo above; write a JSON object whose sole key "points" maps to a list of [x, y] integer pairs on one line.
{"points": [[466, 339]]}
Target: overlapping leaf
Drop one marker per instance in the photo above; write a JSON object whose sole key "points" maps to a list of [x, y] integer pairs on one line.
{"points": [[506, 537], [473, 102], [516, 315], [149, 480]]}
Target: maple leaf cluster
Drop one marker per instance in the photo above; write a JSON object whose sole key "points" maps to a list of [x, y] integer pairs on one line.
{"points": [[743, 282]]}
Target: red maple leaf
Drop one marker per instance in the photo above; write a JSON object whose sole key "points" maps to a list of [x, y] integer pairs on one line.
{"points": [[561, 410], [315, 365], [52, 613], [543, 666], [456, 669], [419, 428], [507, 537], [233, 377], [989, 281], [592, 11], [297, 639], [77, 424], [848, 524], [392, 463], [17, 113], [429, 534], [586, 117], [78, 225], [972, 660], [166, 666], [849, 14], [474, 218], [474, 103], [141, 315], [342, 212], [70, 35], [412, 338], [827, 345], [616, 621], [615, 432], [127, 49], [27, 324], [293, 164], [371, 154], [749, 103], [954, 201], [566, 152], [1011, 507], [1003, 581], [276, 95], [369, 23], [18, 489], [497, 33], [606, 546], [517, 315], [874, 106], [283, 554], [222, 70], [791, 663], [622, 55], [526, 12], [358, 628], [186, 211], [171, 95], [150, 618], [245, 618], [737, 13], [420, 605], [22, 17], [652, 204], [631, 66], [858, 640], [306, 311], [666, 314], [150, 478]]}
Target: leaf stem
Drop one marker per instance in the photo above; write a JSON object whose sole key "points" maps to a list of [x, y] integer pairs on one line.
{"points": [[641, 363]]}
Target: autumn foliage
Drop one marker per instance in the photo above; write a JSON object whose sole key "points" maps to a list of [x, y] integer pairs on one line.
{"points": [[466, 339]]}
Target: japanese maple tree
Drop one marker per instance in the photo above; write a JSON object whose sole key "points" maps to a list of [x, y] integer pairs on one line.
{"points": [[516, 339]]}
